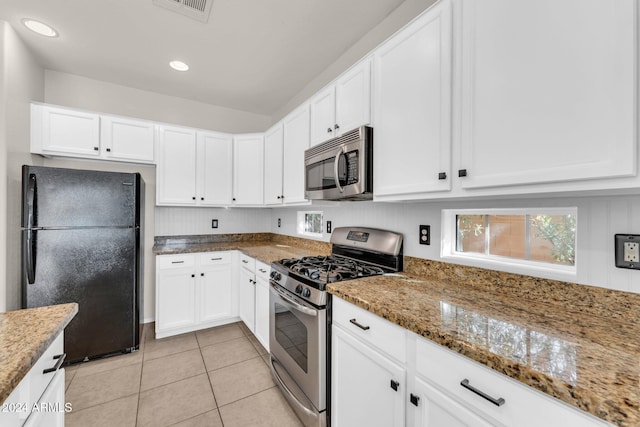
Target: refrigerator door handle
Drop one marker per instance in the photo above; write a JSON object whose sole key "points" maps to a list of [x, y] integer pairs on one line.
{"points": [[31, 200], [31, 257]]}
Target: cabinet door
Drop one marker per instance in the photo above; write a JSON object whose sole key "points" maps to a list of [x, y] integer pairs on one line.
{"points": [[434, 409], [176, 168], [215, 169], [412, 108], [323, 115], [262, 311], [176, 304], [215, 293], [353, 98], [70, 132], [247, 291], [548, 105], [361, 385], [124, 139], [273, 140], [296, 140], [51, 404], [248, 170]]}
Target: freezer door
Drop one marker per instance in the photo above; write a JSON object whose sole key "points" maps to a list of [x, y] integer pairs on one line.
{"points": [[95, 268], [55, 197]]}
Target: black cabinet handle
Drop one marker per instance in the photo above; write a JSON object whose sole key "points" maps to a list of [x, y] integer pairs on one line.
{"points": [[364, 328], [244, 261], [201, 198], [216, 259], [234, 199], [414, 399], [194, 197], [394, 385], [498, 402], [193, 275], [278, 197], [442, 175], [96, 149], [282, 197], [108, 150], [336, 126], [59, 363], [462, 173], [201, 274], [177, 262], [329, 130]]}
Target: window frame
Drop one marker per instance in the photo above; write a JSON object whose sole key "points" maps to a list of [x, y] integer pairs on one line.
{"points": [[301, 221], [448, 248]]}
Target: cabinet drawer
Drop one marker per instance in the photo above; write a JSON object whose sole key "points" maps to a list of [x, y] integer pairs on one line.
{"points": [[262, 270], [213, 258], [175, 261], [523, 406], [38, 380], [372, 329], [248, 262]]}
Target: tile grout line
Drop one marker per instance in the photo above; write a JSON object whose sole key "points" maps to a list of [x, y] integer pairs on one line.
{"points": [[210, 383]]}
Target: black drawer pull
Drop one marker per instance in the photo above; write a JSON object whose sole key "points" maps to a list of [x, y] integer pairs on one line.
{"points": [[442, 175], [394, 385], [216, 259], [59, 363], [462, 173], [498, 402], [364, 328], [245, 261], [262, 270], [177, 262], [414, 399]]}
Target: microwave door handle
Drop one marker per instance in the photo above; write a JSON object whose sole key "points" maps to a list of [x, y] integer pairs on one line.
{"points": [[335, 171]]}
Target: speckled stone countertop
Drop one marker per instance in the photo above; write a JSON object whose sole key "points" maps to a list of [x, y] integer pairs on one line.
{"points": [[585, 354], [263, 246], [24, 337]]}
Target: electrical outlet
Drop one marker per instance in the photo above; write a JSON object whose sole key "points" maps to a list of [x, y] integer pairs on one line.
{"points": [[329, 227], [425, 234], [279, 222], [628, 251], [214, 223]]}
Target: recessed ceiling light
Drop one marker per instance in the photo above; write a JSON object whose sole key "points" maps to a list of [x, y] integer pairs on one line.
{"points": [[40, 28], [178, 65]]}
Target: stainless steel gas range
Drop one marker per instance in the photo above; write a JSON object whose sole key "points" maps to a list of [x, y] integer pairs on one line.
{"points": [[299, 322]]}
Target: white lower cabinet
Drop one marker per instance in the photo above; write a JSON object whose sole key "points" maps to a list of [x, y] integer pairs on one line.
{"points": [[38, 400], [247, 292], [262, 304], [367, 388], [194, 291], [370, 353]]}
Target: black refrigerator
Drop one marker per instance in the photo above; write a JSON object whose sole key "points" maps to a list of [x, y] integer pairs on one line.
{"points": [[82, 242]]}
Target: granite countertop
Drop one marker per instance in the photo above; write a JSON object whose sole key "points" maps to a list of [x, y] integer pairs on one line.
{"points": [[24, 337], [591, 362]]}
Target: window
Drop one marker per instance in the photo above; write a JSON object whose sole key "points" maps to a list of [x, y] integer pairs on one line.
{"points": [[545, 238], [310, 224]]}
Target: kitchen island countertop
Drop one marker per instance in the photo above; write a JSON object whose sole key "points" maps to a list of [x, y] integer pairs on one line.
{"points": [[24, 337]]}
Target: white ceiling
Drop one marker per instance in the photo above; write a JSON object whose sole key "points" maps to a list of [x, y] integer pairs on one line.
{"points": [[252, 55]]}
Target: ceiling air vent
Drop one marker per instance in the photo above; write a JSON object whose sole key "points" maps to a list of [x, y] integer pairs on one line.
{"points": [[196, 9]]}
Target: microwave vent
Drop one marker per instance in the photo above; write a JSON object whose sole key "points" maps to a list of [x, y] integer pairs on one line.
{"points": [[195, 9], [352, 135]]}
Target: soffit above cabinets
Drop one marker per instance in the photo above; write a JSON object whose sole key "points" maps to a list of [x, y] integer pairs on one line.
{"points": [[250, 55]]}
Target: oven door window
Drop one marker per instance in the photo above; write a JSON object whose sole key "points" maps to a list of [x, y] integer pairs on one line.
{"points": [[321, 175], [291, 334]]}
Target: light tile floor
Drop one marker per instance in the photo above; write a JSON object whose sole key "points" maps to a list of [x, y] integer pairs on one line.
{"points": [[210, 378]]}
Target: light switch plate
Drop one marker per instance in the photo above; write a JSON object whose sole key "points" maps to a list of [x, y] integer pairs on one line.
{"points": [[628, 251]]}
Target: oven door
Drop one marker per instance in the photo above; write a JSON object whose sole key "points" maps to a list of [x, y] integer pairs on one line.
{"points": [[297, 341]]}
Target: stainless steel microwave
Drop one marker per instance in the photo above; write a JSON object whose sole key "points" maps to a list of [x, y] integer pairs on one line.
{"points": [[341, 168]]}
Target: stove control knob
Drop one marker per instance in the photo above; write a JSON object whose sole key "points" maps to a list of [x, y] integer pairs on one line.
{"points": [[306, 293], [276, 276], [299, 289]]}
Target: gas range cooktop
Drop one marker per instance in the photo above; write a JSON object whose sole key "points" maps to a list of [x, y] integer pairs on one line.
{"points": [[357, 252]]}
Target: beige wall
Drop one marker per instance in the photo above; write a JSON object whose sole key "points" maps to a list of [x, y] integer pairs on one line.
{"points": [[23, 82], [80, 92], [397, 19]]}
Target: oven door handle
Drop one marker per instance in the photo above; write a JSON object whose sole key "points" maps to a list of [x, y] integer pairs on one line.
{"points": [[292, 304], [335, 171]]}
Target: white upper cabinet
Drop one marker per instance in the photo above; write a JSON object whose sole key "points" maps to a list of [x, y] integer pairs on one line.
{"points": [[127, 140], [64, 131], [549, 91], [214, 169], [343, 105], [59, 131], [296, 141], [248, 169], [412, 108], [273, 140], [176, 168]]}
